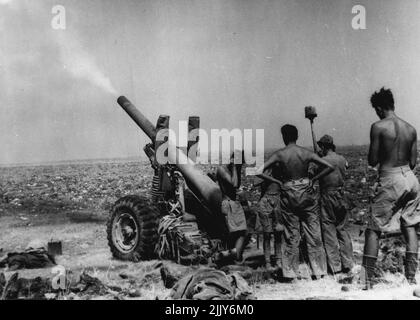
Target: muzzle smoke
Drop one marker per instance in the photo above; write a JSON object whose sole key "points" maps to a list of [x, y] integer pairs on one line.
{"points": [[74, 58], [81, 64]]}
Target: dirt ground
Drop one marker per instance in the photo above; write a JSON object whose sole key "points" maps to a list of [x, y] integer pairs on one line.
{"points": [[70, 202]]}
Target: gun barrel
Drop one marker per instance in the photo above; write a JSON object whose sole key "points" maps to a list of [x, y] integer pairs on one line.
{"points": [[207, 188], [148, 128], [197, 180]]}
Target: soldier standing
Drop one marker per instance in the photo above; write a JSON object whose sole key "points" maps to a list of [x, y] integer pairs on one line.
{"points": [[268, 209], [299, 204], [229, 179], [393, 147], [334, 210]]}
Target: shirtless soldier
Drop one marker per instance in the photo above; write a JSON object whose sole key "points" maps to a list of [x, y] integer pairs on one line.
{"points": [[298, 204], [334, 210], [393, 146], [229, 179], [268, 209]]}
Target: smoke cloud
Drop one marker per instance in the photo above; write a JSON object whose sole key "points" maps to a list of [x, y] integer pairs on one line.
{"points": [[80, 64], [75, 59]]}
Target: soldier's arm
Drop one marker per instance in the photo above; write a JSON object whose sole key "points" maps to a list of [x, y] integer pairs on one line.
{"points": [[373, 157], [269, 178], [224, 175], [413, 155], [328, 167], [272, 160]]}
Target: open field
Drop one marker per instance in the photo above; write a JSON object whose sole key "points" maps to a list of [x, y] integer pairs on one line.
{"points": [[70, 202]]}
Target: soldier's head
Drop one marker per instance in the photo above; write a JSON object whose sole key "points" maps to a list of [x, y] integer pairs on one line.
{"points": [[326, 143], [383, 102], [290, 134]]}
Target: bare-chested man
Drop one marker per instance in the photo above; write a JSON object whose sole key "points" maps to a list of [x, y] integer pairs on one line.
{"points": [[229, 179], [298, 204], [268, 209], [334, 210], [393, 146]]}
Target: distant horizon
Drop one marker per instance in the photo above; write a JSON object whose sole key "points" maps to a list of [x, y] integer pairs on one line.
{"points": [[140, 157]]}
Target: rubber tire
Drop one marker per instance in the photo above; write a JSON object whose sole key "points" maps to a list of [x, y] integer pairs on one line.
{"points": [[146, 216]]}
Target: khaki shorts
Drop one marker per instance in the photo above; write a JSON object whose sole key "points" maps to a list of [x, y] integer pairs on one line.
{"points": [[235, 215], [394, 185], [269, 211]]}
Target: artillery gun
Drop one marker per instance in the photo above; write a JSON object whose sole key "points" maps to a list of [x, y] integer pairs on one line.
{"points": [[181, 218]]}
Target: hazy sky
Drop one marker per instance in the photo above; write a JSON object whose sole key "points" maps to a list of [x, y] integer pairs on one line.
{"points": [[237, 64]]}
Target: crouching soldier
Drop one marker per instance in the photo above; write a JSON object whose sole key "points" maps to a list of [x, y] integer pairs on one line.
{"points": [[334, 210], [229, 179], [268, 209]]}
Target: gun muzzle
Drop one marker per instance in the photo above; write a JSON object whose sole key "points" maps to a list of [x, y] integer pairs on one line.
{"points": [[148, 128]]}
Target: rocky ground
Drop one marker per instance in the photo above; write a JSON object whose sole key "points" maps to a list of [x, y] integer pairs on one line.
{"points": [[70, 202]]}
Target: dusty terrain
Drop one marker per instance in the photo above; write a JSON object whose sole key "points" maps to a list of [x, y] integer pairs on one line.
{"points": [[70, 202]]}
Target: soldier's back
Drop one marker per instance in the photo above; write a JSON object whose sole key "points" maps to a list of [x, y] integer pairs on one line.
{"points": [[294, 162], [336, 178], [397, 137]]}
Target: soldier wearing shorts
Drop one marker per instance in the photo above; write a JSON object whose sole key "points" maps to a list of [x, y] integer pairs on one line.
{"points": [[268, 210], [393, 147], [229, 179]]}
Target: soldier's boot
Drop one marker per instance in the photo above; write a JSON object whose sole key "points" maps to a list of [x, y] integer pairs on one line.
{"points": [[369, 265], [410, 266], [267, 250], [277, 252]]}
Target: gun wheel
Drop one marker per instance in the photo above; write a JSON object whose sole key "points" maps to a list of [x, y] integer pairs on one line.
{"points": [[132, 229]]}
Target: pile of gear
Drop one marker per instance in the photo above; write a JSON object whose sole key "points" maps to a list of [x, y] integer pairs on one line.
{"points": [[211, 284], [29, 259], [184, 242]]}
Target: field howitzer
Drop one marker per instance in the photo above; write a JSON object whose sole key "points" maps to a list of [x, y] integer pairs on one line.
{"points": [[182, 195]]}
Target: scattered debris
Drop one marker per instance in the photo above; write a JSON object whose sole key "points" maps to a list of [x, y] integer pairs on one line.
{"points": [[345, 288], [391, 258], [28, 259], [55, 248], [50, 296], [123, 276], [171, 273], [41, 288], [20, 288], [134, 293], [89, 285], [2, 282]]}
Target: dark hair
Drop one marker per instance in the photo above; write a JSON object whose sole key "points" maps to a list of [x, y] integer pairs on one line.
{"points": [[383, 99], [289, 132], [330, 146]]}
